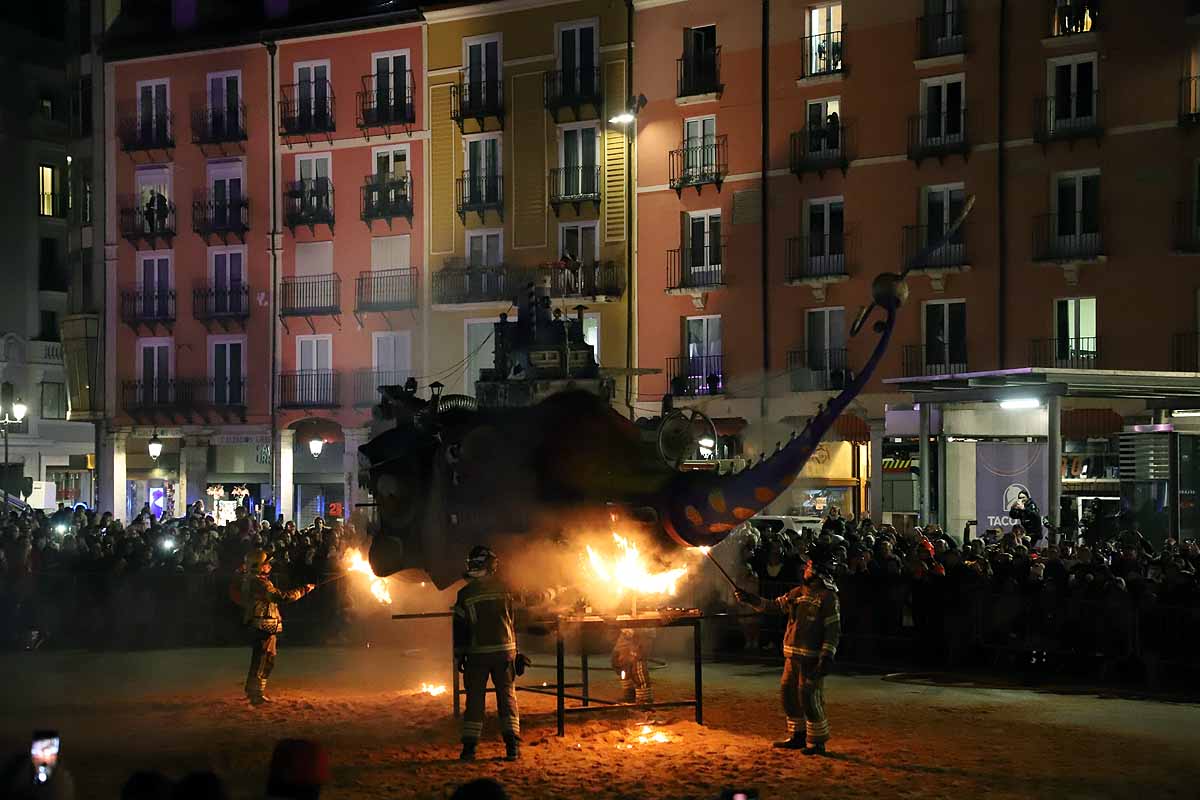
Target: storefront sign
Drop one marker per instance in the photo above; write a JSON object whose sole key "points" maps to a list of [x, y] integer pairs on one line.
{"points": [[1002, 471], [241, 438]]}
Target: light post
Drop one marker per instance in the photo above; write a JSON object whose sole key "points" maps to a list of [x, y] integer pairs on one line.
{"points": [[315, 446], [155, 447], [18, 410]]}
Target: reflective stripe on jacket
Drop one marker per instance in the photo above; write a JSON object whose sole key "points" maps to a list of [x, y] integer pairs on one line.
{"points": [[262, 599], [814, 621]]}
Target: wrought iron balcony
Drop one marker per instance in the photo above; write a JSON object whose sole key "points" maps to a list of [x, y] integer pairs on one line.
{"points": [[480, 193], [1189, 100], [937, 135], [381, 106], [584, 281], [699, 73], [168, 396], [219, 124], [1187, 228], [453, 286], [368, 381], [818, 370], [700, 164], [310, 295], [818, 257], [147, 305], [576, 185], [696, 268], [150, 222], [1185, 351], [143, 131], [950, 255], [316, 388], [1069, 237], [307, 108], [573, 89], [1080, 352], [221, 217], [935, 358], [1068, 116], [227, 394], [689, 376], [386, 290], [942, 34], [823, 54], [819, 149], [385, 196], [1073, 17], [228, 303], [308, 202], [477, 100]]}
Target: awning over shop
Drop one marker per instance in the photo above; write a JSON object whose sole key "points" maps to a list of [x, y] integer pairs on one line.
{"points": [[853, 428]]}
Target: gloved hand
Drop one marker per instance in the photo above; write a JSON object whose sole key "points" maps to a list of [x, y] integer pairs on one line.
{"points": [[749, 598], [460, 663], [824, 664]]}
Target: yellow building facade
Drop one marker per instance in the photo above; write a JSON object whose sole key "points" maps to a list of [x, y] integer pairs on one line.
{"points": [[526, 176]]}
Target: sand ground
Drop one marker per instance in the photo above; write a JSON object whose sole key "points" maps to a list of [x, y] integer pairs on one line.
{"points": [[182, 710]]}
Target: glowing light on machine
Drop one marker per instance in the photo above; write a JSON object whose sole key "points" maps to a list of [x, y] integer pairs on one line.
{"points": [[354, 561]]}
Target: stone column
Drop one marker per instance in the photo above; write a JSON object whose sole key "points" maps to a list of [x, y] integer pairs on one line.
{"points": [[923, 517], [112, 492], [284, 478], [876, 473], [1054, 459], [193, 473], [354, 437]]}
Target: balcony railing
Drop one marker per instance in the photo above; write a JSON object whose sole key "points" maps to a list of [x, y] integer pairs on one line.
{"points": [[689, 376], [818, 256], [147, 132], [472, 285], [480, 193], [582, 281], [1073, 17], [368, 381], [220, 217], [308, 202], [1070, 237], [697, 164], [227, 393], [307, 108], [1187, 228], [219, 124], [217, 303], [942, 34], [935, 358], [154, 220], [1080, 352], [386, 290], [818, 370], [937, 134], [698, 73], [52, 204], [1189, 100], [575, 185], [1185, 352], [1068, 116], [477, 100], [819, 149], [383, 106], [147, 305], [310, 295], [170, 395], [386, 196], [696, 267], [950, 255], [316, 388], [572, 88], [823, 54]]}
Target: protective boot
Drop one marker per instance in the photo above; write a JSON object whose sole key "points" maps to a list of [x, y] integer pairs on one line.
{"points": [[512, 748], [796, 742], [817, 749], [259, 699], [468, 751]]}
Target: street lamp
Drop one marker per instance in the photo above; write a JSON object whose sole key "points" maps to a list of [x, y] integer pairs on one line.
{"points": [[18, 410], [155, 447], [315, 446]]}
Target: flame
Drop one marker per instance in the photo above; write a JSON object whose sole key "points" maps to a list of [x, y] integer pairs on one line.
{"points": [[432, 690], [355, 562], [704, 549], [647, 735], [628, 571]]}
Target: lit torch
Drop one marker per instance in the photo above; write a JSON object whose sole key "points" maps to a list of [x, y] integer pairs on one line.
{"points": [[355, 562]]}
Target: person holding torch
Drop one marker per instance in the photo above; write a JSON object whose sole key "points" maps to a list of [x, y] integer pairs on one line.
{"points": [[809, 645]]}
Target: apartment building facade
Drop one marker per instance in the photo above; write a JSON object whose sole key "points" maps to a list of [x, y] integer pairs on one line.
{"points": [[1070, 128]]}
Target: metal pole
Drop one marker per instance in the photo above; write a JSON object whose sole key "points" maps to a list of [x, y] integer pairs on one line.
{"points": [[697, 653], [630, 283], [6, 464], [562, 678], [583, 665], [923, 456], [765, 213], [1054, 460]]}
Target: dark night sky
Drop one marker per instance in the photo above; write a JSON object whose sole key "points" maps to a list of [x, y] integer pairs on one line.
{"points": [[45, 17]]}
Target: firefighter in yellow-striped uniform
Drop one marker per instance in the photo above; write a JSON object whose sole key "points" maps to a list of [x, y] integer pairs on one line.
{"points": [[261, 600], [485, 646], [809, 646], [629, 661]]}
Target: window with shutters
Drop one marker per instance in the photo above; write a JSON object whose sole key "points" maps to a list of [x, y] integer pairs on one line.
{"points": [[578, 161], [1075, 227], [227, 370], [155, 371], [1072, 87], [943, 110], [228, 293], [313, 94], [483, 73], [1075, 343], [224, 121], [390, 94], [485, 247], [944, 334], [154, 113], [825, 228], [578, 77], [578, 241], [391, 252], [940, 207], [156, 286]]}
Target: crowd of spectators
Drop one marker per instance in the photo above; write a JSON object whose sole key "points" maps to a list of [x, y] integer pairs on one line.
{"points": [[94, 580], [1103, 601]]}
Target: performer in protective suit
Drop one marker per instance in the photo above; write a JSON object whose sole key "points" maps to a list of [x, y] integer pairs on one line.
{"points": [[261, 601], [629, 662], [809, 645]]}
